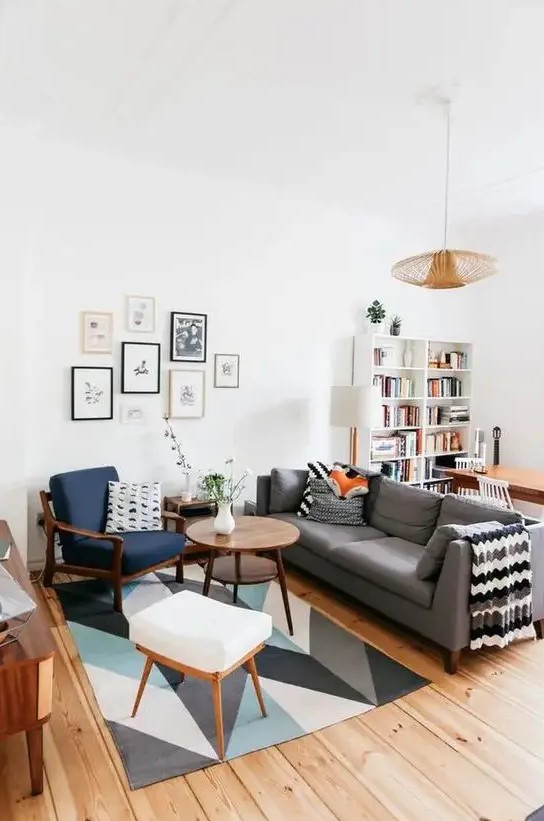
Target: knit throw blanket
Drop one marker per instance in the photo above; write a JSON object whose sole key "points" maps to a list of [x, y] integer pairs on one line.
{"points": [[501, 608]]}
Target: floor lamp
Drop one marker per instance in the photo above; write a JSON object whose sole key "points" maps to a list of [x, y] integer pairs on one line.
{"points": [[348, 410]]}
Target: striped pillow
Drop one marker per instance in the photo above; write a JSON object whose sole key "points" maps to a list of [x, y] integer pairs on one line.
{"points": [[316, 470]]}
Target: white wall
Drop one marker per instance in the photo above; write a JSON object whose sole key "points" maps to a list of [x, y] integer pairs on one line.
{"points": [[283, 279]]}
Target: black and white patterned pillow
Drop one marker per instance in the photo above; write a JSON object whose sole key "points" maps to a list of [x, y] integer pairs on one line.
{"points": [[316, 470], [326, 507], [133, 506]]}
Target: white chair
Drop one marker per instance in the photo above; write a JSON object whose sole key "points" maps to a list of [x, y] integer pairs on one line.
{"points": [[469, 463], [495, 492], [201, 637]]}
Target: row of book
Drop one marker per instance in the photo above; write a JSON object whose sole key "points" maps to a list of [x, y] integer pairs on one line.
{"points": [[402, 443], [448, 415], [406, 470], [445, 386], [444, 442], [400, 416], [394, 386], [448, 359]]}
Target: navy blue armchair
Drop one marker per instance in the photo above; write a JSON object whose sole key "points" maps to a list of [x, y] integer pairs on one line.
{"points": [[75, 509]]}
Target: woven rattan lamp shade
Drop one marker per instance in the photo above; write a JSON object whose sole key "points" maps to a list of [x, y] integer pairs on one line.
{"points": [[445, 269]]}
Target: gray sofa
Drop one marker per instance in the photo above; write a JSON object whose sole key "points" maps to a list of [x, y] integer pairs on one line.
{"points": [[379, 564]]}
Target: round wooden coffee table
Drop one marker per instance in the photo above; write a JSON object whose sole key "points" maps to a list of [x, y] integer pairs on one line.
{"points": [[244, 562]]}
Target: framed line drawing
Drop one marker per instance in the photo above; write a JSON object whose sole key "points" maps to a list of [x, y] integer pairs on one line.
{"points": [[96, 332], [140, 314], [140, 367], [186, 399], [226, 372], [188, 337], [91, 393]]}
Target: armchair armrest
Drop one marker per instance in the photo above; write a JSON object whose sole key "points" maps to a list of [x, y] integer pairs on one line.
{"points": [[170, 516], [90, 534]]}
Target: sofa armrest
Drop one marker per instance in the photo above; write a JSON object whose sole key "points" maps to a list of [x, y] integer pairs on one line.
{"points": [[537, 566], [263, 495], [451, 599]]}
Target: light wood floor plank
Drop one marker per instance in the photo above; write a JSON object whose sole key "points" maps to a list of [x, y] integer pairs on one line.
{"points": [[280, 792], [477, 794], [222, 794], [16, 803]]}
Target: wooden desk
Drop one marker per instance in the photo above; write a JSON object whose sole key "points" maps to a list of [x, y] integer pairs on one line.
{"points": [[525, 485], [26, 675]]}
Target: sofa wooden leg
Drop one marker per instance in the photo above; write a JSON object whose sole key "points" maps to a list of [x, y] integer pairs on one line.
{"points": [[539, 628], [451, 661]]}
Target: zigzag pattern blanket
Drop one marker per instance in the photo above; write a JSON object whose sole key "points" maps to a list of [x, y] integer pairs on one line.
{"points": [[501, 587]]}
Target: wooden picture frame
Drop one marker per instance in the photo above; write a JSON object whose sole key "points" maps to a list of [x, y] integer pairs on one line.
{"points": [[140, 367], [188, 337], [96, 332], [91, 393], [186, 398]]}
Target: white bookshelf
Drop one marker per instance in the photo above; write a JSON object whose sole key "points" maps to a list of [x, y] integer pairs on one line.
{"points": [[430, 432]]}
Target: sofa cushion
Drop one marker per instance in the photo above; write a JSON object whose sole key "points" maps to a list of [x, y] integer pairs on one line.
{"points": [[286, 489], [322, 539], [316, 470], [432, 558], [345, 482], [140, 550], [80, 498], [462, 510], [389, 563], [133, 506], [326, 507], [404, 511]]}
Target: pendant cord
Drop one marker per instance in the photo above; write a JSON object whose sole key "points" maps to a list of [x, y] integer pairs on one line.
{"points": [[447, 174]]}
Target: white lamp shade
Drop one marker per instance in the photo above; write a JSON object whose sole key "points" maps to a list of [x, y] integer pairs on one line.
{"points": [[353, 406]]}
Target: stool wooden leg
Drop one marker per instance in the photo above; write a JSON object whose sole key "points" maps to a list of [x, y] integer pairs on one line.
{"points": [[218, 708], [143, 682], [257, 684]]}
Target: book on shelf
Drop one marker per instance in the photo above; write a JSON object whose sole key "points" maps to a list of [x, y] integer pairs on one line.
{"points": [[454, 360], [400, 416], [448, 414], [444, 386], [406, 470], [394, 386], [397, 445], [447, 441]]}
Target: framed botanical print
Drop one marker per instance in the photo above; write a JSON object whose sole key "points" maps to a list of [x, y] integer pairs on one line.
{"points": [[141, 314], [188, 337], [92, 393], [140, 367], [132, 414], [186, 399], [226, 372], [96, 332]]}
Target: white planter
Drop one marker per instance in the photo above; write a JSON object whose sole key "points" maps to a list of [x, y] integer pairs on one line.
{"points": [[224, 521]]}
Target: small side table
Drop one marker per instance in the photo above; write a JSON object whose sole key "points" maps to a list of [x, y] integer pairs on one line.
{"points": [[194, 511]]}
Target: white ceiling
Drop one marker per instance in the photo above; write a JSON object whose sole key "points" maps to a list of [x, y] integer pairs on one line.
{"points": [[320, 95]]}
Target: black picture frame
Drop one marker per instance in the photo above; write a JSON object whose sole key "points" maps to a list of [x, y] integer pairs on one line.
{"points": [[189, 319], [152, 385], [91, 417]]}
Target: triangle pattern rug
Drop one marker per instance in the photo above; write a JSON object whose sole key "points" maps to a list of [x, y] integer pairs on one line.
{"points": [[319, 676]]}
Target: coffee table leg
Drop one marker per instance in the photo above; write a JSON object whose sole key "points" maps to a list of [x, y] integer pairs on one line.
{"points": [[284, 593], [209, 571], [237, 570]]}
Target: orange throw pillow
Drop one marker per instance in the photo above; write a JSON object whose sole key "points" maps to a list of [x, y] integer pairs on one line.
{"points": [[347, 483]]}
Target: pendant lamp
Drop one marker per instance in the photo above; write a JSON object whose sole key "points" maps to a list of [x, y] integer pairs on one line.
{"points": [[446, 268]]}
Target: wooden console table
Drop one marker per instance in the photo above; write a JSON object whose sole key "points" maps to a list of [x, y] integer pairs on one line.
{"points": [[193, 511], [26, 675]]}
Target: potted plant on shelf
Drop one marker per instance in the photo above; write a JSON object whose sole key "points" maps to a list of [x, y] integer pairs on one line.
{"points": [[224, 490], [375, 314], [395, 325]]}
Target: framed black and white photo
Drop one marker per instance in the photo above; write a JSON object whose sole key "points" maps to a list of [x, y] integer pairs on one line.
{"points": [[92, 393], [96, 332], [226, 372], [140, 367], [188, 334], [186, 399], [140, 314]]}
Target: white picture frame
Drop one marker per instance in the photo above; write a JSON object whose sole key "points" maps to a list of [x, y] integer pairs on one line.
{"points": [[226, 371], [132, 414], [96, 332], [140, 312], [91, 393], [186, 394], [140, 367]]}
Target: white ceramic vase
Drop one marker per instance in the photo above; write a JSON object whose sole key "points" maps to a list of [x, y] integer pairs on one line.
{"points": [[224, 521]]}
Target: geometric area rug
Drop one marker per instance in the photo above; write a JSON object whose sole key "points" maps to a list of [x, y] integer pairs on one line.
{"points": [[320, 676]]}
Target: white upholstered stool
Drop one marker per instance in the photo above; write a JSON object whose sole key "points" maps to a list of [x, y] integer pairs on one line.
{"points": [[200, 637]]}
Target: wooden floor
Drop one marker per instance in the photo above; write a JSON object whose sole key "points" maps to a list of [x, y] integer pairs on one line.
{"points": [[468, 746]]}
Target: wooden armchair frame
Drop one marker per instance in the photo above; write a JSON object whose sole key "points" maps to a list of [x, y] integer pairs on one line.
{"points": [[115, 576]]}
